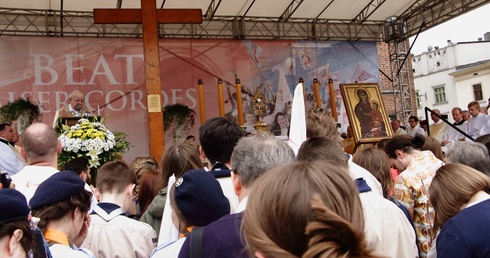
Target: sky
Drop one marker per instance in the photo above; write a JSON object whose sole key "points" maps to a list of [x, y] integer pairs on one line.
{"points": [[467, 27]]}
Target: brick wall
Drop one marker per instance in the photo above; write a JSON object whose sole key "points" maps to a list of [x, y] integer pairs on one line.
{"points": [[386, 85]]}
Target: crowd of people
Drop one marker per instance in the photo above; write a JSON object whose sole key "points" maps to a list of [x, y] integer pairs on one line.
{"points": [[226, 195]]}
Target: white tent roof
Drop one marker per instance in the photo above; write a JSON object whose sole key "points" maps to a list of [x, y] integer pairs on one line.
{"points": [[269, 19]]}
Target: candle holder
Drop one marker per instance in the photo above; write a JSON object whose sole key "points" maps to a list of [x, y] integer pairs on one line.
{"points": [[259, 108]]}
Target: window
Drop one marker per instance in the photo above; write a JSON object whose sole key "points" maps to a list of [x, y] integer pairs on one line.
{"points": [[440, 94], [417, 100], [477, 92]]}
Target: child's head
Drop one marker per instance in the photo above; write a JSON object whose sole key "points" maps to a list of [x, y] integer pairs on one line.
{"points": [[474, 108], [250, 118], [114, 177], [218, 136], [374, 105]]}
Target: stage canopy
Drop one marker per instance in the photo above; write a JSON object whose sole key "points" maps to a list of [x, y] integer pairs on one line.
{"points": [[354, 20]]}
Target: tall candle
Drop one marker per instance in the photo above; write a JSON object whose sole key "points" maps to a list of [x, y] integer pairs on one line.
{"points": [[316, 91], [333, 106], [202, 111], [239, 102], [221, 100]]}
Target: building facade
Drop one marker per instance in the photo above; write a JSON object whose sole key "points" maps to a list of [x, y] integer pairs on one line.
{"points": [[452, 76]]}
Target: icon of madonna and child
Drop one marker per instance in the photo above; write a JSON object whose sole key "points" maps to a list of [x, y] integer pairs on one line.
{"points": [[369, 116]]}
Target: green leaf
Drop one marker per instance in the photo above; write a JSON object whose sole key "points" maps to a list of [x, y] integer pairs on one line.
{"points": [[178, 115], [12, 110]]}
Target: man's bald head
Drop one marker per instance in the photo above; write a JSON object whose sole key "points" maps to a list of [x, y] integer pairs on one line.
{"points": [[40, 143], [435, 118], [77, 93]]}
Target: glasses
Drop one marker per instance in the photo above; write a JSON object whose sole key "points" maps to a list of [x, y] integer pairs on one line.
{"points": [[77, 100]]}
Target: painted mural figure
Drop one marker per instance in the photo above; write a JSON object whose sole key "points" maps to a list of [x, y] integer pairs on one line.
{"points": [[280, 126], [233, 113], [362, 110], [376, 130], [376, 116], [375, 113], [306, 59]]}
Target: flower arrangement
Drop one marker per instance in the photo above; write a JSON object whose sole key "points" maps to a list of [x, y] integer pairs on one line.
{"points": [[91, 140]]}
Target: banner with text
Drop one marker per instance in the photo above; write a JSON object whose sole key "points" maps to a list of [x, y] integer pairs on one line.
{"points": [[111, 74]]}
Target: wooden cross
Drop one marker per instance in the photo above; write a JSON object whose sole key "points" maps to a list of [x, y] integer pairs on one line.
{"points": [[149, 17]]}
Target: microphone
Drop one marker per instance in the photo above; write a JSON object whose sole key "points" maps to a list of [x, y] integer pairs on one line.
{"points": [[78, 107], [98, 110]]}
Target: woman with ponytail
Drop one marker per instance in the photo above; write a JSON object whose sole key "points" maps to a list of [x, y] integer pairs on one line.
{"points": [[305, 209], [412, 185]]}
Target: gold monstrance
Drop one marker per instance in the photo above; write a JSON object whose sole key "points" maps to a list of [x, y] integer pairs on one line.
{"points": [[259, 108]]}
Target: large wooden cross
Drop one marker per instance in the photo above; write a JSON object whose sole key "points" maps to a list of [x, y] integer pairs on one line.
{"points": [[149, 16]]}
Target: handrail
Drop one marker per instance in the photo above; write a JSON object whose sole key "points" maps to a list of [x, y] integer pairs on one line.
{"points": [[427, 110]]}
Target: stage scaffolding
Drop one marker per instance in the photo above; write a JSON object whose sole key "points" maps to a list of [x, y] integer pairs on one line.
{"points": [[54, 23], [396, 36], [37, 22]]}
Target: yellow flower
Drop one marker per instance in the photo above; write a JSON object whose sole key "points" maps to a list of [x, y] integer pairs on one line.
{"points": [[80, 132], [89, 132], [100, 135]]}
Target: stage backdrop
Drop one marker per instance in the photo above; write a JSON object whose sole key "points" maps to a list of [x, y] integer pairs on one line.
{"points": [[111, 74]]}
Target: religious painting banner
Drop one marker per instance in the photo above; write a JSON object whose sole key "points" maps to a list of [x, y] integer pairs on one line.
{"points": [[111, 74], [366, 111]]}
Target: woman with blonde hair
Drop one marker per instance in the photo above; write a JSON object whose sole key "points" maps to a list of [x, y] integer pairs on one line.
{"points": [[461, 200], [305, 209]]}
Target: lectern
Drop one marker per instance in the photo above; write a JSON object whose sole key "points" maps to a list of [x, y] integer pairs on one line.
{"points": [[72, 120]]}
